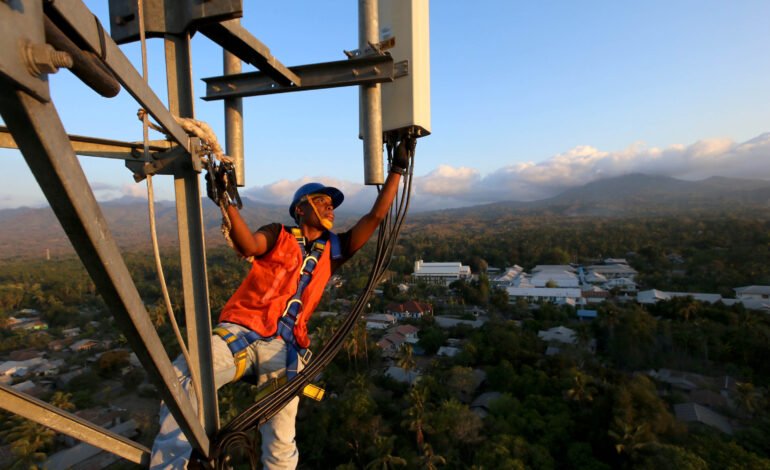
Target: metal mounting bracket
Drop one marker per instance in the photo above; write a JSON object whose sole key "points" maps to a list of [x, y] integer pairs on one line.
{"points": [[163, 17]]}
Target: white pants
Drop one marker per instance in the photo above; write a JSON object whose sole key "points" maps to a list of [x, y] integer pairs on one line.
{"points": [[266, 359]]}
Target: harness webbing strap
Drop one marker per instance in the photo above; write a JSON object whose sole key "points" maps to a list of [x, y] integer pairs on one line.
{"points": [[237, 345], [293, 308]]}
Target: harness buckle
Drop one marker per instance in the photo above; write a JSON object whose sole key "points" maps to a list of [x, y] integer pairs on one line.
{"points": [[307, 260], [288, 305], [305, 358]]}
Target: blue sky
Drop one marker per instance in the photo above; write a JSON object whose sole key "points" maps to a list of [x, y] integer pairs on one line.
{"points": [[528, 98]]}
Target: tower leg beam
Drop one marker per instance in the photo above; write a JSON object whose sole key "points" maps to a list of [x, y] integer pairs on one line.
{"points": [[37, 129]]}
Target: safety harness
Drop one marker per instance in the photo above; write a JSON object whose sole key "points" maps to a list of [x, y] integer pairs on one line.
{"points": [[238, 343]]}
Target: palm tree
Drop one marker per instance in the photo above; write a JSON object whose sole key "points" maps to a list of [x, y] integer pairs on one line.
{"points": [[416, 415], [27, 440], [582, 387], [429, 460], [363, 338], [406, 360], [385, 459], [687, 308], [629, 438], [62, 401], [747, 397], [351, 347], [610, 318]]}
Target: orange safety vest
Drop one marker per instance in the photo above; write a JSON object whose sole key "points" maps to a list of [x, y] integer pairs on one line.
{"points": [[262, 297]]}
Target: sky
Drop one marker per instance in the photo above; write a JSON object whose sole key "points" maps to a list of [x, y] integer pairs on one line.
{"points": [[527, 99]]}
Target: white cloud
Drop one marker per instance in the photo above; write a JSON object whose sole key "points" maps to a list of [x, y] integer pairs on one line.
{"points": [[448, 186], [448, 181], [358, 197], [134, 190]]}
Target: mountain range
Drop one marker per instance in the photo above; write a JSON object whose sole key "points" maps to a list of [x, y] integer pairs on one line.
{"points": [[34, 232]]}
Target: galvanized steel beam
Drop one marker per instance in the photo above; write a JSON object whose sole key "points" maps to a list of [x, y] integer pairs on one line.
{"points": [[21, 26], [162, 17], [71, 425], [234, 121], [97, 147], [91, 32], [41, 137], [358, 71], [239, 41], [369, 99], [192, 248]]}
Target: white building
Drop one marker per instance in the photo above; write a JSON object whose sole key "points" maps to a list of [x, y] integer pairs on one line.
{"points": [[557, 295], [612, 271], [448, 351], [449, 322], [623, 283], [558, 334], [508, 278], [20, 368], [440, 273], [654, 296], [558, 275], [380, 321], [753, 293]]}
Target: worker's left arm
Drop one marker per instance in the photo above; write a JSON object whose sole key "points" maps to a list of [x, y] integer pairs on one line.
{"points": [[363, 230], [365, 227]]}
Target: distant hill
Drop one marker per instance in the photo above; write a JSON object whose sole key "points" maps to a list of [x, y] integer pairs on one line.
{"points": [[29, 232], [627, 196]]}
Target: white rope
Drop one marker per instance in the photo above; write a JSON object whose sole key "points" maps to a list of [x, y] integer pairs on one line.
{"points": [[212, 149], [153, 230]]}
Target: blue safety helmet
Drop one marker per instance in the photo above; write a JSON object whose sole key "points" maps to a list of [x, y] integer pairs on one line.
{"points": [[315, 188]]}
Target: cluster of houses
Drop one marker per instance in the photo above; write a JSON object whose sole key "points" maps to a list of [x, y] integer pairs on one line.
{"points": [[705, 399], [27, 319], [580, 285], [752, 297], [565, 284], [37, 373]]}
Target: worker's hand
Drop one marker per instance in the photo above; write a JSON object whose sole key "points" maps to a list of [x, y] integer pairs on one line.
{"points": [[216, 185], [400, 162]]}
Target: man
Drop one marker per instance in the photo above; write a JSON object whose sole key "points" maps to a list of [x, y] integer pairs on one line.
{"points": [[263, 327]]}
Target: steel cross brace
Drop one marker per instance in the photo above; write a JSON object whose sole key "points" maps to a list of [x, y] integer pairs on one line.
{"points": [[37, 129], [237, 40], [67, 423], [357, 71], [106, 148]]}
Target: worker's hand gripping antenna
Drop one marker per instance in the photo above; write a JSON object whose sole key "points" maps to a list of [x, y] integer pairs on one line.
{"points": [[400, 159]]}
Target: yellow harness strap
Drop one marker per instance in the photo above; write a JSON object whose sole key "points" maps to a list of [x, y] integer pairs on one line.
{"points": [[239, 358]]}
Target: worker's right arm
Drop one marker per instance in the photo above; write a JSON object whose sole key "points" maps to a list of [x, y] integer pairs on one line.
{"points": [[245, 242]]}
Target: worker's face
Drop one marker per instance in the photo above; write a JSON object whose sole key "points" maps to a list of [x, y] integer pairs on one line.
{"points": [[320, 206]]}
